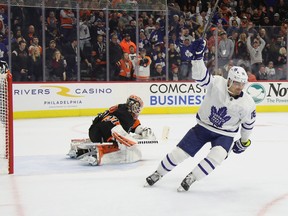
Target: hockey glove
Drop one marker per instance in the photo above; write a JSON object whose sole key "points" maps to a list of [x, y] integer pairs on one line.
{"points": [[240, 147], [144, 133], [147, 133], [198, 49]]}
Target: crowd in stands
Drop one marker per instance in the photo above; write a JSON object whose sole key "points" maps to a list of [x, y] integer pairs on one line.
{"points": [[247, 33]]}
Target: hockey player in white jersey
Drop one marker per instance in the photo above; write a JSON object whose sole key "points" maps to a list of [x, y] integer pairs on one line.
{"points": [[226, 109]]}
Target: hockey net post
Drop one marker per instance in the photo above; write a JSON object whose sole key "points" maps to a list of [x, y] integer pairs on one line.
{"points": [[6, 125]]}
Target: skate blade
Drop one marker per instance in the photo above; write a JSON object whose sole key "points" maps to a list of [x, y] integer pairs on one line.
{"points": [[146, 184], [181, 189]]}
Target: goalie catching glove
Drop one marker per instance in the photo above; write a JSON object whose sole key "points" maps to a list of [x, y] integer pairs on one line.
{"points": [[144, 133], [240, 146]]}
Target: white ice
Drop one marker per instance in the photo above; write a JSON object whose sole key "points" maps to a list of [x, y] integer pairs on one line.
{"points": [[47, 183]]}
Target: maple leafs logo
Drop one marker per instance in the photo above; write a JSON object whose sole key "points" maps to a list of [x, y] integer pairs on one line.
{"points": [[219, 117]]}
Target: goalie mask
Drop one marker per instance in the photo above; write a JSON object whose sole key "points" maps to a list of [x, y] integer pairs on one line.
{"points": [[237, 75], [134, 104], [3, 67]]}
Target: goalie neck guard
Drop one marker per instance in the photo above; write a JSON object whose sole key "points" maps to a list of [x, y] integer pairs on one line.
{"points": [[134, 104]]}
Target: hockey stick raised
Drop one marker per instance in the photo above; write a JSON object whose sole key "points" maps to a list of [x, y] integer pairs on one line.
{"points": [[210, 19]]}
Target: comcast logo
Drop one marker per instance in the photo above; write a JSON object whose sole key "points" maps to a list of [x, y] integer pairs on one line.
{"points": [[257, 92]]}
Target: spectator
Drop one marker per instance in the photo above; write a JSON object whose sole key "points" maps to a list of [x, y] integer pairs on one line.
{"points": [[126, 68], [256, 18], [202, 15], [125, 18], [100, 64], [266, 38], [52, 31], [242, 54], [67, 23], [50, 50], [143, 41], [185, 35], [20, 62], [113, 22], [150, 27], [262, 74], [186, 57], [276, 23], [270, 70], [266, 22], [116, 53], [144, 63], [225, 50], [227, 67], [57, 67], [255, 52], [173, 74], [233, 28], [133, 56], [158, 73], [174, 39], [212, 39], [126, 43], [251, 76], [281, 63], [35, 65], [234, 17], [70, 54], [3, 49], [157, 35], [159, 60], [99, 28], [31, 33], [34, 44], [84, 33], [131, 30], [173, 59]]}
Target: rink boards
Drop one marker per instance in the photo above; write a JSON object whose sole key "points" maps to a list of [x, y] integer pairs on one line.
{"points": [[38, 100]]}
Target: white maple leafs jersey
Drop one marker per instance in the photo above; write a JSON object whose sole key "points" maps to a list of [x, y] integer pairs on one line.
{"points": [[220, 112]]}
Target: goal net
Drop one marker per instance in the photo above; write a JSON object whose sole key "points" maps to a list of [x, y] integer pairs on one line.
{"points": [[6, 124]]}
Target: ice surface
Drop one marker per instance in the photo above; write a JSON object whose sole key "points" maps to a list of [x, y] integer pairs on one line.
{"points": [[47, 183]]}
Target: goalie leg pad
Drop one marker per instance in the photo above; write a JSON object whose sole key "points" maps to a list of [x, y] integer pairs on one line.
{"points": [[122, 136], [127, 155], [215, 157]]}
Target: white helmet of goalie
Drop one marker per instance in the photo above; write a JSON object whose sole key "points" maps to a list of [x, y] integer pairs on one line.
{"points": [[237, 74], [134, 104], [3, 67]]}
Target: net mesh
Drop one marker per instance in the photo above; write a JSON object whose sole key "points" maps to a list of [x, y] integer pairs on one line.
{"points": [[4, 125]]}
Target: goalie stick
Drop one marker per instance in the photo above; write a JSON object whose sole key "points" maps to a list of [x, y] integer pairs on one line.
{"points": [[88, 145], [87, 142]]}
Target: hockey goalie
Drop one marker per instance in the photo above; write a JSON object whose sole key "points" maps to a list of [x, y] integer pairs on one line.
{"points": [[113, 136]]}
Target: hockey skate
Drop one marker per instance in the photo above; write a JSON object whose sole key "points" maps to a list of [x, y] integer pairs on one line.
{"points": [[95, 154], [187, 182], [74, 150], [91, 157], [152, 179]]}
